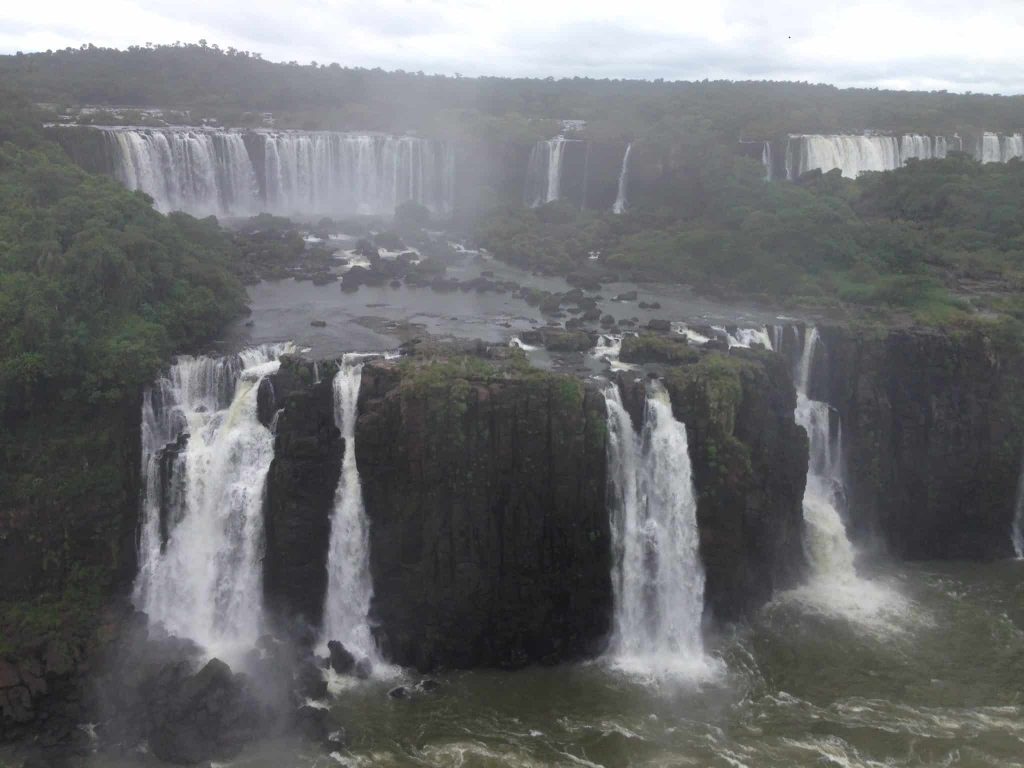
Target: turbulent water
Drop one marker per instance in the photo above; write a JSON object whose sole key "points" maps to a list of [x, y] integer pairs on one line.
{"points": [[620, 197], [658, 576], [202, 518], [349, 586], [236, 173], [544, 172], [802, 690]]}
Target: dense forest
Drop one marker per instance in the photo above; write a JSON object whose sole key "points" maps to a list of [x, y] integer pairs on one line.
{"points": [[236, 87], [97, 291], [937, 240]]}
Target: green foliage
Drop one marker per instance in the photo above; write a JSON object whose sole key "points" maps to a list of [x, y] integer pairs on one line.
{"points": [[934, 241]]}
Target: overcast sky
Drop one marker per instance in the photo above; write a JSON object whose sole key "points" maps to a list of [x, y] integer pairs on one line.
{"points": [[959, 45]]}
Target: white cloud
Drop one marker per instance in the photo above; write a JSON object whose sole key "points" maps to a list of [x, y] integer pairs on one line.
{"points": [[890, 43]]}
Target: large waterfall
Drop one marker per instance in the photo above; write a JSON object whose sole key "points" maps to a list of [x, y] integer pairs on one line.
{"points": [[205, 457], [620, 197], [855, 154], [544, 172], [240, 173], [993, 148], [658, 576], [349, 585]]}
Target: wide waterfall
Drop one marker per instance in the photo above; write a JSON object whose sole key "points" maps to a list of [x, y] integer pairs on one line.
{"points": [[993, 148], [240, 173], [205, 457], [349, 584], [544, 172], [657, 576], [620, 198], [855, 154]]}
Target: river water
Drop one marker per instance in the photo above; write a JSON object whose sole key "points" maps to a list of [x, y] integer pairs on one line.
{"points": [[933, 679]]}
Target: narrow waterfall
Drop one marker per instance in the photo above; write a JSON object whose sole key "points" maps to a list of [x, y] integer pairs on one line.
{"points": [[544, 172], [240, 173], [766, 160], [205, 457], [657, 575], [620, 198], [834, 586], [349, 584], [830, 551], [1017, 531]]}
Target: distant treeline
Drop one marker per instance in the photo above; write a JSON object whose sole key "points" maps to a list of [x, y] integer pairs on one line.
{"points": [[237, 87]]}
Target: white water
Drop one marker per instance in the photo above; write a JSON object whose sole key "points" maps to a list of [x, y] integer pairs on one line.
{"points": [[349, 584], [620, 197], [204, 581], [766, 160], [544, 172], [657, 576], [234, 173], [993, 148], [855, 154], [834, 586], [1017, 531]]}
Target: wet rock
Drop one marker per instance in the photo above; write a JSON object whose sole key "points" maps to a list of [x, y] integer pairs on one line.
{"points": [[429, 685], [401, 692], [592, 316], [309, 681], [318, 323], [659, 325], [607, 321], [341, 660], [323, 278], [363, 669], [626, 296]]}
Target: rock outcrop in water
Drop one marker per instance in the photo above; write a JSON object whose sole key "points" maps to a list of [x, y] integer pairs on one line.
{"points": [[931, 437], [484, 484]]}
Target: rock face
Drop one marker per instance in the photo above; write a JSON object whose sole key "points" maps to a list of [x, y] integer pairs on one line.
{"points": [[301, 482], [749, 465], [489, 538], [931, 436]]}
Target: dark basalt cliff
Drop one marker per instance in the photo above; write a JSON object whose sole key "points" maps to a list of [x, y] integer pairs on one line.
{"points": [[308, 452], [931, 433], [485, 491]]}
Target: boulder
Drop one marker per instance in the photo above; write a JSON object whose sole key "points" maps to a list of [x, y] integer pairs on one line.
{"points": [[341, 660]]}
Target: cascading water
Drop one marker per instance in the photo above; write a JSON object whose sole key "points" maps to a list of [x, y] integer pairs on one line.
{"points": [[349, 584], [1017, 531], [544, 172], [834, 586], [993, 148], [620, 198], [236, 173], [657, 576], [766, 160], [855, 154], [205, 457]]}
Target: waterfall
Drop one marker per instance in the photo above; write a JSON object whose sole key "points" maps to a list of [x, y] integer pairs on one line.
{"points": [[349, 584], [855, 154], [834, 586], [544, 172], [657, 575], [1017, 531], [236, 173], [205, 457], [993, 148], [620, 198], [766, 160]]}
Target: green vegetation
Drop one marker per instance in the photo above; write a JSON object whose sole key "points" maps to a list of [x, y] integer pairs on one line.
{"points": [[237, 87], [937, 240], [97, 291]]}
